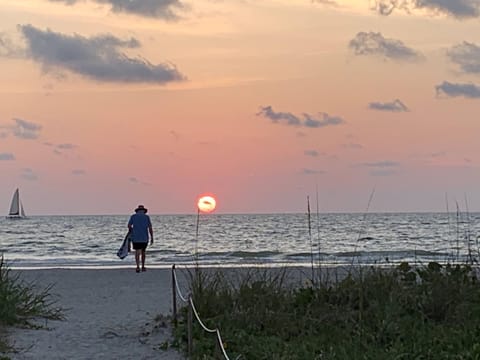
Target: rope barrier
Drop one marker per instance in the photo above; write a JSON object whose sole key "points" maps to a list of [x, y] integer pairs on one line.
{"points": [[176, 289], [219, 338], [179, 292]]}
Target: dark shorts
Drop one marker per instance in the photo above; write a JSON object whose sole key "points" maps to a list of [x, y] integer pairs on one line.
{"points": [[139, 246]]}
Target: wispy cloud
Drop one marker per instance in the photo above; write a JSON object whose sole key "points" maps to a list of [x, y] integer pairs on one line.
{"points": [[66, 146], [6, 156], [382, 172], [467, 56], [306, 120], [381, 168], [381, 164], [29, 174], [449, 89], [375, 44], [24, 129], [97, 57], [78, 172], [312, 153], [60, 149], [457, 8], [21, 128], [312, 172], [326, 2], [164, 9], [393, 106], [352, 145], [135, 180], [8, 48]]}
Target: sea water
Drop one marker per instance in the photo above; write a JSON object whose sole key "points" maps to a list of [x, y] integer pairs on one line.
{"points": [[249, 239]]}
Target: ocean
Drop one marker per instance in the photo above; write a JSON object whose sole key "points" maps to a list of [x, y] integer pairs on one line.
{"points": [[244, 240]]}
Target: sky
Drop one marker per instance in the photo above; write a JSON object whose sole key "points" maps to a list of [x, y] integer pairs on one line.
{"points": [[357, 106]]}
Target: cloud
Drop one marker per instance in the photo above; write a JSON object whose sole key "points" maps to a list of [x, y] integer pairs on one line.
{"points": [[175, 135], [28, 174], [78, 172], [7, 48], [467, 56], [353, 145], [306, 120], [374, 44], [449, 89], [163, 9], [66, 146], [382, 172], [25, 129], [21, 129], [456, 8], [135, 180], [326, 2], [60, 149], [312, 153], [381, 164], [381, 168], [6, 156], [312, 172], [97, 57], [394, 106]]}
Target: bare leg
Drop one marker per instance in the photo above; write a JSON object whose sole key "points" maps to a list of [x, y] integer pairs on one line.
{"points": [[137, 258], [143, 259]]}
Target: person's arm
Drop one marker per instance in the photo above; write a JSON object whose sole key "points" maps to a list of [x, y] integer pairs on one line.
{"points": [[150, 229], [130, 224]]}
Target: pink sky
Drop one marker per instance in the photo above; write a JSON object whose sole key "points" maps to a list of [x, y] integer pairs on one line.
{"points": [[259, 102]]}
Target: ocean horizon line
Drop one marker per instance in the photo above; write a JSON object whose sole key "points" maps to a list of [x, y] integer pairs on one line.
{"points": [[269, 213]]}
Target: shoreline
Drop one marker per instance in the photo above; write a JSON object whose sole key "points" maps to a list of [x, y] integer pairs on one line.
{"points": [[302, 265]]}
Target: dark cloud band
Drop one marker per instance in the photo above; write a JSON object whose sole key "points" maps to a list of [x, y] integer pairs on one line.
{"points": [[394, 106], [164, 9], [456, 8], [309, 121], [449, 89], [375, 44], [97, 58], [467, 56]]}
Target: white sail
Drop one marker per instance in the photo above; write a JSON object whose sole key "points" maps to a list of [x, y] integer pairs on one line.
{"points": [[16, 207]]}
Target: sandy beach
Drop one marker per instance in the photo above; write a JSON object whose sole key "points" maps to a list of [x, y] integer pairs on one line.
{"points": [[110, 314]]}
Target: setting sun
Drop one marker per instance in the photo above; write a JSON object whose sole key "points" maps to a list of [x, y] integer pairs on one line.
{"points": [[206, 203]]}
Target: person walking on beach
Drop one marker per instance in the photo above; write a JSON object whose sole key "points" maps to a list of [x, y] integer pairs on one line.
{"points": [[140, 226]]}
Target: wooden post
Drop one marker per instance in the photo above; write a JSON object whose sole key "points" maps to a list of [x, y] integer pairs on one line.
{"points": [[190, 326], [174, 296]]}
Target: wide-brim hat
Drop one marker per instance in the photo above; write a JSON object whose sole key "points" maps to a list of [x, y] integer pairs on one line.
{"points": [[141, 208]]}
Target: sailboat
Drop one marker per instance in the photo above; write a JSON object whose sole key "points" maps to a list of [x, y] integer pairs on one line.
{"points": [[16, 207]]}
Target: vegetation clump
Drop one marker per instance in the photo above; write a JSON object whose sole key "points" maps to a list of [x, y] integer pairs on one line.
{"points": [[20, 302], [406, 312]]}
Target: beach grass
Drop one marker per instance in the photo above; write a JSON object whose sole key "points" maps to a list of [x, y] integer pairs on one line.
{"points": [[21, 302], [403, 312]]}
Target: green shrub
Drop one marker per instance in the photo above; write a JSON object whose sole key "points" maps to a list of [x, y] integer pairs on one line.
{"points": [[19, 302], [430, 312]]}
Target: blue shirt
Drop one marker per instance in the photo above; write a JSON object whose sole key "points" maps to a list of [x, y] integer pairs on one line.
{"points": [[140, 223]]}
